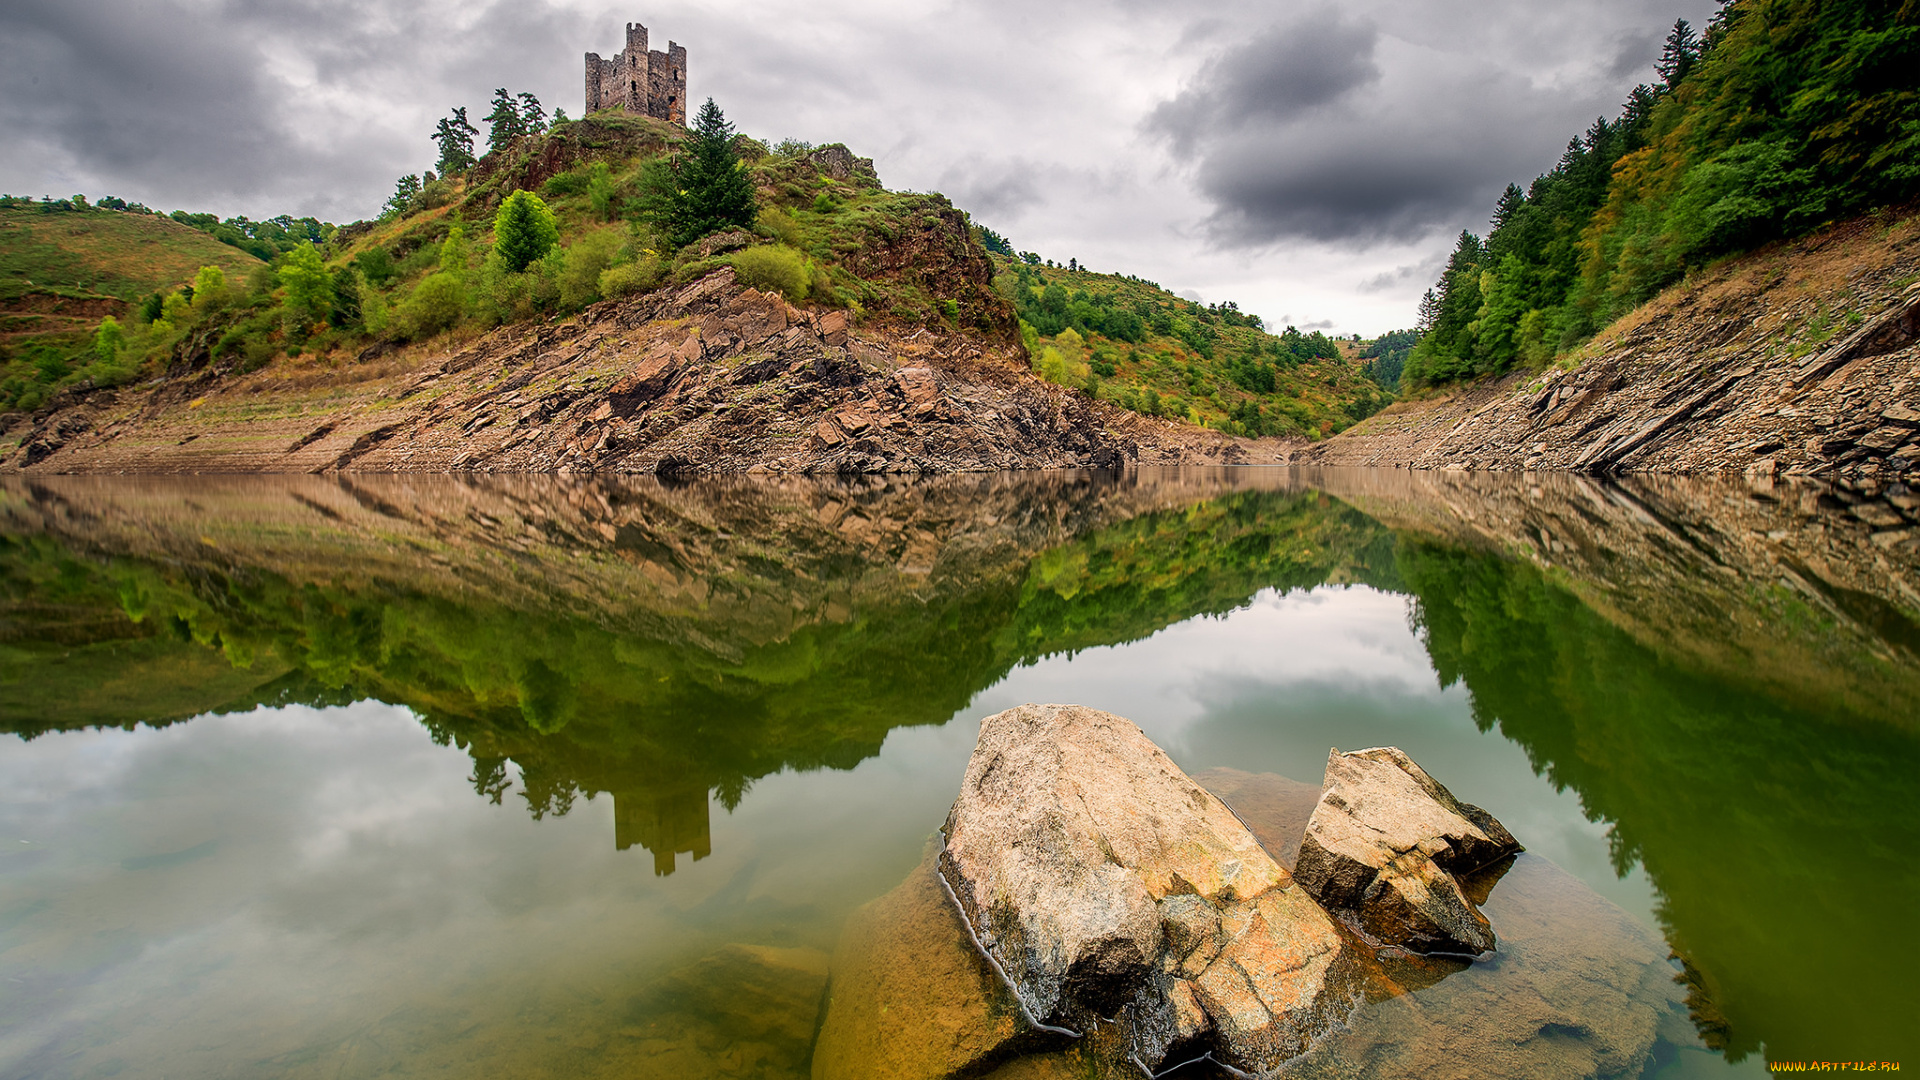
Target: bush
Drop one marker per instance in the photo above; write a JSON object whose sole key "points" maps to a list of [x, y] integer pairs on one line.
{"points": [[583, 263], [210, 289], [774, 267], [629, 279], [375, 264], [109, 340], [435, 304], [561, 185]]}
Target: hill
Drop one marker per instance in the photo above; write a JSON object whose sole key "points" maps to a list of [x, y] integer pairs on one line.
{"points": [[1784, 117], [1802, 357], [852, 328], [64, 267], [1128, 341]]}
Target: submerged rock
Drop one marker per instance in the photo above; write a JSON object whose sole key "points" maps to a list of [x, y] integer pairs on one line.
{"points": [[1388, 843], [910, 998], [1107, 885], [1579, 989]]}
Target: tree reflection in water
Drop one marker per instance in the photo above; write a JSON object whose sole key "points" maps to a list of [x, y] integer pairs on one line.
{"points": [[1738, 705]]}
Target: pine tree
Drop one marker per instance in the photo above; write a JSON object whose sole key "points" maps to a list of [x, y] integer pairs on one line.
{"points": [[455, 136], [533, 119], [703, 190], [1682, 50], [1429, 312], [503, 123], [523, 230]]}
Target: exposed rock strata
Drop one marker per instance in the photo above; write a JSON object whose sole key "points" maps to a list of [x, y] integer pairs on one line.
{"points": [[709, 377], [1801, 359], [1389, 844], [1105, 883]]}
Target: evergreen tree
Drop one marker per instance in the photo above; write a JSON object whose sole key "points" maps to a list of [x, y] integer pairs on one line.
{"points": [[455, 136], [1429, 312], [702, 190], [523, 231], [404, 192], [533, 119], [1680, 54], [503, 123]]}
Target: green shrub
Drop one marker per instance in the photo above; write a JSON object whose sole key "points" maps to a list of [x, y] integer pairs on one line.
{"points": [[109, 340], [601, 190], [629, 279], [583, 263], [376, 265], [561, 185], [774, 267], [210, 289], [435, 304]]}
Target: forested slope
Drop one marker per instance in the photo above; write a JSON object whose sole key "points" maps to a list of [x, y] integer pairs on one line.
{"points": [[1783, 116]]}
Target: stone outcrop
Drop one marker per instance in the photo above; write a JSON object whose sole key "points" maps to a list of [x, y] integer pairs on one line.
{"points": [[1581, 990], [1390, 845], [1106, 884]]}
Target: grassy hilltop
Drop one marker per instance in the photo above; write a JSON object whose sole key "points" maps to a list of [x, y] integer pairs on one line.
{"points": [[63, 270], [826, 234]]}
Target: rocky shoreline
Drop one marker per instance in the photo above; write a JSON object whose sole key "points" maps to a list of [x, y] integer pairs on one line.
{"points": [[706, 378], [1803, 359]]}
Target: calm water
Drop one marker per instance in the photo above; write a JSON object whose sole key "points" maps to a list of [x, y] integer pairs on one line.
{"points": [[341, 777]]}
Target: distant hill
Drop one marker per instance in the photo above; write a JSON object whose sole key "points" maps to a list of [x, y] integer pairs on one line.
{"points": [[1137, 345], [62, 269]]}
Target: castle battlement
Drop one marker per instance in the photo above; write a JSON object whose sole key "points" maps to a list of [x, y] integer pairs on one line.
{"points": [[640, 82]]}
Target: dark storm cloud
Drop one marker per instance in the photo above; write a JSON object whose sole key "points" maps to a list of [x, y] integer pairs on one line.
{"points": [[133, 88], [1276, 76], [307, 107], [994, 190], [1360, 131], [1424, 271]]}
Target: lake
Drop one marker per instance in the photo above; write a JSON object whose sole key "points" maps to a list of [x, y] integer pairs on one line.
{"points": [[533, 776]]}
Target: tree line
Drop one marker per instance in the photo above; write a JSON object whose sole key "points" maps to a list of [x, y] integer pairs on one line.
{"points": [[1783, 115]]}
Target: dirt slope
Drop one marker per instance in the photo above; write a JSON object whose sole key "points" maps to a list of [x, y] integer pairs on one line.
{"points": [[711, 376], [1803, 358]]}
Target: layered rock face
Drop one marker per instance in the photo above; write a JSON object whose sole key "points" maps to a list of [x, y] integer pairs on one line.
{"points": [[707, 377], [1102, 881], [1390, 844], [1800, 358]]}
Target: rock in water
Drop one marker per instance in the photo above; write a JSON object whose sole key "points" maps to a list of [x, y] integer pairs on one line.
{"points": [[1390, 844], [1105, 883]]}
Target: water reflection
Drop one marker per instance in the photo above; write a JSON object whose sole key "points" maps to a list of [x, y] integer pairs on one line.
{"points": [[1718, 681]]}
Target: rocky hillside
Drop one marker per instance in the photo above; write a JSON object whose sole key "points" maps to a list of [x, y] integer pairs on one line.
{"points": [[1803, 358], [853, 330], [710, 376]]}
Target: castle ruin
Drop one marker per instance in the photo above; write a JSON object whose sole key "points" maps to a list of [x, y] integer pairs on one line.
{"points": [[640, 82]]}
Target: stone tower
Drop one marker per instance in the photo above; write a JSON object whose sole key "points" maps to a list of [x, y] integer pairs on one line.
{"points": [[640, 82]]}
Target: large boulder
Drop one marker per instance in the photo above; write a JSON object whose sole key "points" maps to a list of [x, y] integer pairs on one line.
{"points": [[1390, 845], [1105, 884]]}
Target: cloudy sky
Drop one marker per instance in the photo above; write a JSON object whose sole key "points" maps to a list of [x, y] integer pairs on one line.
{"points": [[1310, 161]]}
